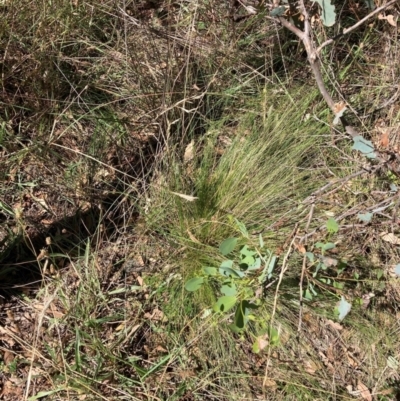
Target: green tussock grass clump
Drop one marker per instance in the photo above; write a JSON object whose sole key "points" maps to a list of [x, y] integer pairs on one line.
{"points": [[256, 168]]}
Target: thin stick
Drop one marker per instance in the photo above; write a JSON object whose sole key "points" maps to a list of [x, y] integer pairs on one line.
{"points": [[283, 270], [303, 271]]}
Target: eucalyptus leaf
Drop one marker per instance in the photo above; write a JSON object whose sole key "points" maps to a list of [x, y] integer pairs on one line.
{"points": [[343, 308], [332, 226], [229, 272], [227, 263], [370, 4], [246, 251], [242, 228], [273, 335], [225, 303], [277, 11], [328, 14], [229, 289], [256, 265], [248, 260], [210, 271], [365, 217], [194, 284], [364, 146], [240, 316], [228, 246]]}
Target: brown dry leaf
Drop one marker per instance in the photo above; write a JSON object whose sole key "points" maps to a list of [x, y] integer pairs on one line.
{"points": [[192, 237], [156, 315], [120, 327], [186, 197], [366, 299], [310, 366], [140, 280], [270, 383], [44, 253], [390, 237], [390, 19], [334, 325], [189, 152], [300, 247], [160, 349], [384, 139], [338, 107], [185, 374], [11, 390], [49, 309], [262, 342], [364, 392], [329, 261], [8, 357]]}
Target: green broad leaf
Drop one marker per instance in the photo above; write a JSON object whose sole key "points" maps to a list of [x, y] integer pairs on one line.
{"points": [[271, 265], [256, 265], [343, 308], [277, 11], [240, 320], [310, 256], [210, 271], [248, 293], [328, 14], [365, 217], [364, 146], [229, 272], [228, 246], [246, 251], [242, 228], [325, 247], [256, 347], [225, 303], [332, 226], [229, 289], [308, 295], [227, 263], [338, 285], [235, 329], [268, 269], [273, 335], [242, 314], [328, 246], [312, 290], [370, 4], [194, 284], [248, 260]]}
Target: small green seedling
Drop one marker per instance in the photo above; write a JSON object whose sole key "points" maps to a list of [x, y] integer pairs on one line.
{"points": [[239, 278]]}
